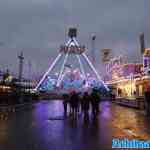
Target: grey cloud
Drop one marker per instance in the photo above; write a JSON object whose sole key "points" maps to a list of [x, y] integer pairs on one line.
{"points": [[39, 27]]}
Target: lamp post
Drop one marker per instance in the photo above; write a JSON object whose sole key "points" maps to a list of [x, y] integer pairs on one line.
{"points": [[93, 49], [131, 79], [21, 58]]}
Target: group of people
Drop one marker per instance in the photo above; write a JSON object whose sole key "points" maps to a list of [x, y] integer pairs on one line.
{"points": [[75, 102]]}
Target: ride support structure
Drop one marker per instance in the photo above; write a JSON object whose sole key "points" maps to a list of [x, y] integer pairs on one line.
{"points": [[71, 47]]}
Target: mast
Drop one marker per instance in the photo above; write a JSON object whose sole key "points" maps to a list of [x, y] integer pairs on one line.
{"points": [[21, 61]]}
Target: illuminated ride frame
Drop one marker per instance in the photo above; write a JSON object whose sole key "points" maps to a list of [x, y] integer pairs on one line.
{"points": [[71, 47]]}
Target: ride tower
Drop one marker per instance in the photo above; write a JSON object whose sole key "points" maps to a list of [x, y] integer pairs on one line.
{"points": [[72, 47]]}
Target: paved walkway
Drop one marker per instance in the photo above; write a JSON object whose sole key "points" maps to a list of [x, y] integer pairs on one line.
{"points": [[44, 127]]}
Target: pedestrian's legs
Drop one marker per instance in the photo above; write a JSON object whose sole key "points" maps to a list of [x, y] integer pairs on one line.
{"points": [[93, 110], [71, 109], [65, 108], [76, 110], [97, 109]]}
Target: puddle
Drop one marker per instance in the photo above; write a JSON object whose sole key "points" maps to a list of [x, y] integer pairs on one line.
{"points": [[56, 118]]}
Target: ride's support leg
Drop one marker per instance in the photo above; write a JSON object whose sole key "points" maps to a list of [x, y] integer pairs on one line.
{"points": [[62, 69], [81, 66], [48, 71], [94, 70]]}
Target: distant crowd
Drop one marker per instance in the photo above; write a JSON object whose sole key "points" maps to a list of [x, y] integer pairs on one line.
{"points": [[75, 103]]}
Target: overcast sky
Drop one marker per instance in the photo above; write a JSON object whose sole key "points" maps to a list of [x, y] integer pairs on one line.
{"points": [[38, 27]]}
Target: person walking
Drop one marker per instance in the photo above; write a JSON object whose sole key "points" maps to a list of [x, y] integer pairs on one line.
{"points": [[86, 103], [79, 102], [82, 104], [65, 102], [74, 99], [95, 100]]}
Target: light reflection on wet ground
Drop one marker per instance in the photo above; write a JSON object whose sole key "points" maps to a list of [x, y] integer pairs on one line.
{"points": [[44, 127]]}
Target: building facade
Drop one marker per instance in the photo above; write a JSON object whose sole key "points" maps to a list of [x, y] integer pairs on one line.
{"points": [[129, 80]]}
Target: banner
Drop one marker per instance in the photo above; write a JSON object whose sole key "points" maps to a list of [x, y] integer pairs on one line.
{"points": [[105, 55]]}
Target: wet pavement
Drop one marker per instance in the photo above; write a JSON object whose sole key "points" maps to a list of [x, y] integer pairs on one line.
{"points": [[44, 127]]}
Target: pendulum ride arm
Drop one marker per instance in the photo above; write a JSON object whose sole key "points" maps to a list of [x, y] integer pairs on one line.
{"points": [[81, 66], [68, 42], [60, 78], [48, 71], [74, 39], [94, 70], [62, 69]]}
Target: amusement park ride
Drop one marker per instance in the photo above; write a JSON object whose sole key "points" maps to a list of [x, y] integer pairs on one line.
{"points": [[71, 48]]}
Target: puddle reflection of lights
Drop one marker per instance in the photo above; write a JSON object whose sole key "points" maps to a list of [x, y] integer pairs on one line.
{"points": [[130, 132]]}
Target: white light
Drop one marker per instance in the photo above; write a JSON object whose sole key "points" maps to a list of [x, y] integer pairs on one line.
{"points": [[88, 74], [62, 69], [48, 71]]}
